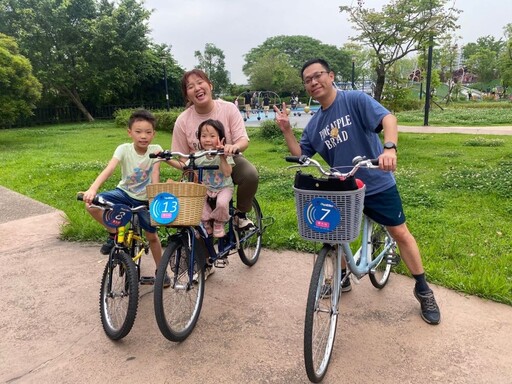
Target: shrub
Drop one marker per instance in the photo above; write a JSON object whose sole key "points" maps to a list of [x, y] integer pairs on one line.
{"points": [[165, 120], [269, 130]]}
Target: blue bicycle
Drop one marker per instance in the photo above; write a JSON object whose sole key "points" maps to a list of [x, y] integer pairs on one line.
{"points": [[190, 248]]}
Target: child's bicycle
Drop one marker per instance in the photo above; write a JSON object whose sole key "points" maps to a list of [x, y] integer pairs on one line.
{"points": [[189, 247], [119, 292], [329, 211]]}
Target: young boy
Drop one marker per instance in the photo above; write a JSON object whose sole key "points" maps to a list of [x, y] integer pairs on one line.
{"points": [[137, 171]]}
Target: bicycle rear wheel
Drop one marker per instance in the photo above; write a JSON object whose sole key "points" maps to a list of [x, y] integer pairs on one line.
{"points": [[250, 249], [321, 314], [119, 295], [177, 308], [380, 239]]}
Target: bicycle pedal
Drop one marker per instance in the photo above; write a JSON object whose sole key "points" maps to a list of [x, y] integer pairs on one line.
{"points": [[393, 259], [147, 280], [222, 263]]}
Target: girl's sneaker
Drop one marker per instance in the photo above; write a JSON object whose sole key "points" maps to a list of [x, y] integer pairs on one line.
{"points": [[208, 226], [218, 229]]}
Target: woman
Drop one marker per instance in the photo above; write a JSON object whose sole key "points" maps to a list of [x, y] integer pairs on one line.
{"points": [[197, 91]]}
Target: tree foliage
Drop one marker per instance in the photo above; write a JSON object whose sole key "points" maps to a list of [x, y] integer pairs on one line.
{"points": [[81, 49], [20, 89], [402, 27], [272, 72], [505, 62], [482, 57], [211, 61], [297, 50]]}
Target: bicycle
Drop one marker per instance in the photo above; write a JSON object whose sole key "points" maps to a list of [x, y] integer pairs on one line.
{"points": [[330, 211], [119, 292], [190, 247]]}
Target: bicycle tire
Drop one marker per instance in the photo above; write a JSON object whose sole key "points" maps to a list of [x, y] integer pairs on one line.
{"points": [[118, 305], [321, 314], [250, 249], [177, 308], [380, 239]]}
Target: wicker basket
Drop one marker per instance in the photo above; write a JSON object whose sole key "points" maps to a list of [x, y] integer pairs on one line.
{"points": [[191, 197], [349, 204]]}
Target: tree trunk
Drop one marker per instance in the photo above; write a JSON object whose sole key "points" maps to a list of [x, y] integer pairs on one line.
{"points": [[379, 85], [75, 98]]}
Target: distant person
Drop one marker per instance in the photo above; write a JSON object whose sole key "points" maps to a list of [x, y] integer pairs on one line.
{"points": [[470, 95], [348, 125], [247, 102], [137, 171], [266, 104]]}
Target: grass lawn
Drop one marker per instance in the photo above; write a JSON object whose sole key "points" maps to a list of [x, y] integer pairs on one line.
{"points": [[456, 191]]}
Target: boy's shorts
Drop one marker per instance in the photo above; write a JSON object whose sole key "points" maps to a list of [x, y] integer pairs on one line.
{"points": [[118, 196], [385, 207]]}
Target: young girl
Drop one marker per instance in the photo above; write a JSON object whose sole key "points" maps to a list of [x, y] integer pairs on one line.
{"points": [[220, 185]]}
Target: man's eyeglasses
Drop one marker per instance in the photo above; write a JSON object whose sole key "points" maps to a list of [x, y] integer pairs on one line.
{"points": [[315, 77]]}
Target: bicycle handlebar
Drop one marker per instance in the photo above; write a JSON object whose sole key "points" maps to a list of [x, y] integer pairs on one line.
{"points": [[100, 202], [357, 162], [167, 155]]}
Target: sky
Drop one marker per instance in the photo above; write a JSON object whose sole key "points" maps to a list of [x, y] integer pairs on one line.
{"points": [[236, 26]]}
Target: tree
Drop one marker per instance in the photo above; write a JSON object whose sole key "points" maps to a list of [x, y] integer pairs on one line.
{"points": [[505, 62], [212, 63], [402, 27], [20, 89], [81, 49], [482, 57], [272, 72], [298, 50]]}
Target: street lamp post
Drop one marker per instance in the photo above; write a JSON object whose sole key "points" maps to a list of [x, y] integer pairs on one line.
{"points": [[429, 78], [353, 72], [166, 86]]}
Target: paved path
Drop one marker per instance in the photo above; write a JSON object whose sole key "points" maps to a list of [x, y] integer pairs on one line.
{"points": [[300, 122], [250, 329]]}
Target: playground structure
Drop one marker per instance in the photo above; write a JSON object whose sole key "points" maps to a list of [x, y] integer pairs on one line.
{"points": [[257, 102]]}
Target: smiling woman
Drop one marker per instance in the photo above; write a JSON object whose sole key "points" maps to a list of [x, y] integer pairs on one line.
{"points": [[197, 91]]}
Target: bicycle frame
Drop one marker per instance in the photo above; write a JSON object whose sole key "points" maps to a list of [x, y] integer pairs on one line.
{"points": [[360, 263]]}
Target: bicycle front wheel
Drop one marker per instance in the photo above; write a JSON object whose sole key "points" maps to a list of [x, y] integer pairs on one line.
{"points": [[119, 295], [250, 249], [321, 314], [380, 239], [177, 308]]}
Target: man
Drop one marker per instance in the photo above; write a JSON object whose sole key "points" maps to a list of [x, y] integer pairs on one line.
{"points": [[348, 125]]}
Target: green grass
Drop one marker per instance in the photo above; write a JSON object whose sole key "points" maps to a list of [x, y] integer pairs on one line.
{"points": [[456, 192]]}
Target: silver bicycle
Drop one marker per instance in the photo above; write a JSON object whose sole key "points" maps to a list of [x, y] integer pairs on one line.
{"points": [[330, 211]]}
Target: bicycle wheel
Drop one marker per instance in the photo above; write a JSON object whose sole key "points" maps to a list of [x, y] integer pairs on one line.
{"points": [[249, 251], [177, 308], [321, 314], [119, 295], [380, 239]]}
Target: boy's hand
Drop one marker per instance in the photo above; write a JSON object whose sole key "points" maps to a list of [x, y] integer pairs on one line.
{"points": [[89, 196]]}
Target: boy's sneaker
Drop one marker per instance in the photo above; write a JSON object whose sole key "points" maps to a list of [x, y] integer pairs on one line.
{"points": [[208, 271], [107, 247], [167, 281], [218, 229], [429, 309], [346, 286], [241, 221]]}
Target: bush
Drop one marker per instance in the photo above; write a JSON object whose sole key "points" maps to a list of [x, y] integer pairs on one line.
{"points": [[269, 130], [164, 120]]}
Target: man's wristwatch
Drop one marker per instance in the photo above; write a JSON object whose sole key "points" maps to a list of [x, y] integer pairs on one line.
{"points": [[390, 145]]}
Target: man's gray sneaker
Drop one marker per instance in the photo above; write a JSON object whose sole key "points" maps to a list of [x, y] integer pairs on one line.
{"points": [[429, 309]]}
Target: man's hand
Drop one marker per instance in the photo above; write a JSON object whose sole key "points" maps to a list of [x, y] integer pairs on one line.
{"points": [[282, 118]]}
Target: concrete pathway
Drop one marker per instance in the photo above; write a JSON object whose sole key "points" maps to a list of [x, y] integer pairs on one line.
{"points": [[250, 329]]}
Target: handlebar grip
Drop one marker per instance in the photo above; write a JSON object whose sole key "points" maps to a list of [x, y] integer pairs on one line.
{"points": [[153, 155], [375, 161], [213, 167], [293, 159], [80, 196]]}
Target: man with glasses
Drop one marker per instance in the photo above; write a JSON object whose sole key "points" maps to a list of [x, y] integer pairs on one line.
{"points": [[348, 125]]}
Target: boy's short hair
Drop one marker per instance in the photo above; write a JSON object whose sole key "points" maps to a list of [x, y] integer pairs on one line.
{"points": [[142, 114]]}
